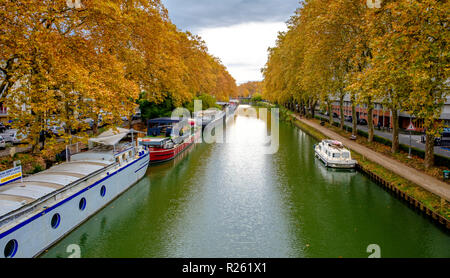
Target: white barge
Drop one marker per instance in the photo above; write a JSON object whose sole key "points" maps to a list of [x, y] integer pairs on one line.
{"points": [[334, 155], [41, 209]]}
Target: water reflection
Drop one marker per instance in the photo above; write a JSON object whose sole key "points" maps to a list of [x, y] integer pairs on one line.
{"points": [[232, 200]]}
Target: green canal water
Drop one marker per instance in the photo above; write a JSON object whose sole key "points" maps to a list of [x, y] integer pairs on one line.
{"points": [[232, 200]]}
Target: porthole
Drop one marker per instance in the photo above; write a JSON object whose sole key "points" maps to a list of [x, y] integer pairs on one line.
{"points": [[103, 191], [56, 219], [82, 204], [11, 249]]}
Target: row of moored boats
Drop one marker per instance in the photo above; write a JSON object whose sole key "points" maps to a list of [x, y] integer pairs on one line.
{"points": [[39, 210]]}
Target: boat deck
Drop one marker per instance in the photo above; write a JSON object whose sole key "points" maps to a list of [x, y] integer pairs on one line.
{"points": [[18, 194]]}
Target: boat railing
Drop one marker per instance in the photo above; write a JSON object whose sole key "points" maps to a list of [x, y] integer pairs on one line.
{"points": [[11, 216], [73, 149]]}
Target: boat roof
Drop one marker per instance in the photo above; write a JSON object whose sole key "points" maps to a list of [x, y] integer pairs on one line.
{"points": [[165, 121], [336, 145], [112, 136], [15, 195]]}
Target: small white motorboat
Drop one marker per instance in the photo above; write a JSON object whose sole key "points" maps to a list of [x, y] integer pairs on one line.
{"points": [[334, 155]]}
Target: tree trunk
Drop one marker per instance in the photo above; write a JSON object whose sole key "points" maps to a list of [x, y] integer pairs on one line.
{"points": [[341, 110], [370, 121], [95, 125], [330, 113], [429, 151], [395, 131], [310, 110], [35, 145], [354, 120]]}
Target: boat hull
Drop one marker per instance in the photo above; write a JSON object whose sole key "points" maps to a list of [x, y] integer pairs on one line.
{"points": [[163, 155], [35, 234], [333, 164]]}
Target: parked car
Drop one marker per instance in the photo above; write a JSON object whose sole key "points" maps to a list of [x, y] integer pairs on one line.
{"points": [[89, 121], [2, 143], [56, 130], [3, 128], [349, 119], [362, 122], [444, 139], [15, 136]]}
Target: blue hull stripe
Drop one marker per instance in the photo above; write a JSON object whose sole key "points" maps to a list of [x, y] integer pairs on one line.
{"points": [[146, 164], [29, 220]]}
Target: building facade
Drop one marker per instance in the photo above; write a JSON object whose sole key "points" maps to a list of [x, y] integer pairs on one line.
{"points": [[382, 116]]}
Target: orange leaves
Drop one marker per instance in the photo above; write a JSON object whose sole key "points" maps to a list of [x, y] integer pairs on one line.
{"points": [[61, 65]]}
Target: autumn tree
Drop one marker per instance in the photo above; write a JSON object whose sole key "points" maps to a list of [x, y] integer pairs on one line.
{"points": [[68, 65]]}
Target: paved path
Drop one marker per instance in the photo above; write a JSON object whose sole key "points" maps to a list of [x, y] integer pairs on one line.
{"points": [[403, 138], [429, 183]]}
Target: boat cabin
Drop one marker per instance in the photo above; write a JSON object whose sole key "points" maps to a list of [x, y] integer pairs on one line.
{"points": [[162, 126], [334, 154]]}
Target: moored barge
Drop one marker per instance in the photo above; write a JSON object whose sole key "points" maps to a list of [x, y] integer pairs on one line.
{"points": [[38, 211], [169, 137]]}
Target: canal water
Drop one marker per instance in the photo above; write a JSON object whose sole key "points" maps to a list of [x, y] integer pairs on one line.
{"points": [[233, 200]]}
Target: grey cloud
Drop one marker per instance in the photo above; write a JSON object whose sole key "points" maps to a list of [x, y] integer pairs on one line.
{"points": [[195, 14]]}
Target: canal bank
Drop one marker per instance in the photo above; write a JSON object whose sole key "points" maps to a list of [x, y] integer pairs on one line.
{"points": [[398, 180], [233, 201]]}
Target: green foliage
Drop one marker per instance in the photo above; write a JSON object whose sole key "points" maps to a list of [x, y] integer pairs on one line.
{"points": [[151, 110], [257, 98], [208, 101], [37, 168]]}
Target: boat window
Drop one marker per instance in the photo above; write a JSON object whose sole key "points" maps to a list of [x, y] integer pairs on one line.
{"points": [[10, 248], [56, 219], [346, 155], [103, 191], [117, 160], [82, 204], [337, 155]]}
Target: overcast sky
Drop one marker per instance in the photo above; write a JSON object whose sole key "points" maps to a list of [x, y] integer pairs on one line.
{"points": [[237, 31]]}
